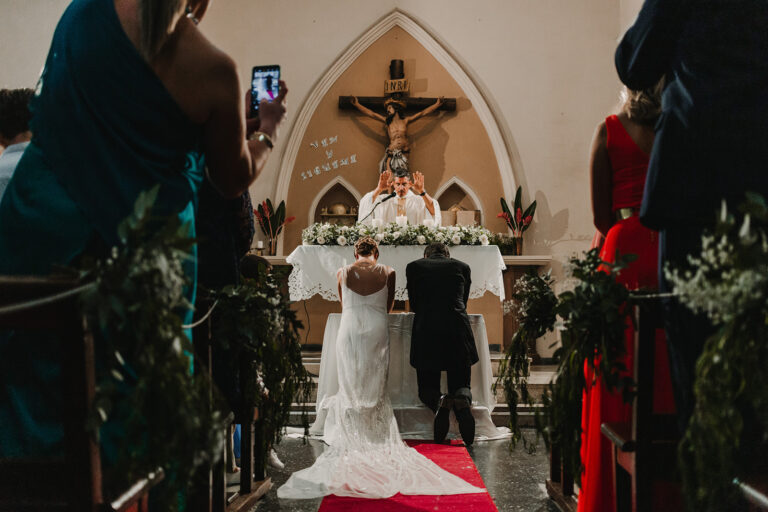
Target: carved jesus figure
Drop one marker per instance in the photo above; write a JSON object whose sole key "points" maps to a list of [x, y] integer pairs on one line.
{"points": [[397, 124]]}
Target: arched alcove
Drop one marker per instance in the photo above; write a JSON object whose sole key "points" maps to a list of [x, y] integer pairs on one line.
{"points": [[470, 136], [338, 190], [336, 197], [456, 193]]}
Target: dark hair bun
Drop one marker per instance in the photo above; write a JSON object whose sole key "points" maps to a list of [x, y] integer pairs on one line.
{"points": [[366, 246]]}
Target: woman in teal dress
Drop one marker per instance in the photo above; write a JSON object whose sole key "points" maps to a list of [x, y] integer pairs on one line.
{"points": [[132, 95]]}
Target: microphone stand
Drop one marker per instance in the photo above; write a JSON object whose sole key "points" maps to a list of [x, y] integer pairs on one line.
{"points": [[390, 196]]}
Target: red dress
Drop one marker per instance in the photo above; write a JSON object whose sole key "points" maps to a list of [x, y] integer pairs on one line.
{"points": [[629, 164]]}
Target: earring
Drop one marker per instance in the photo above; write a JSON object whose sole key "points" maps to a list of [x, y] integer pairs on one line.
{"points": [[191, 15]]}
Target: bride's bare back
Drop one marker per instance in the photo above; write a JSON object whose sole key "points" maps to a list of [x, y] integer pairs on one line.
{"points": [[365, 278]]}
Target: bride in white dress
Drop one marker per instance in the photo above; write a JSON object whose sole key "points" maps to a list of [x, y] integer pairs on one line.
{"points": [[365, 456]]}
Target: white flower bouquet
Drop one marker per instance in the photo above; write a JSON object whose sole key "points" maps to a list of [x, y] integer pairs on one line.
{"points": [[394, 234]]}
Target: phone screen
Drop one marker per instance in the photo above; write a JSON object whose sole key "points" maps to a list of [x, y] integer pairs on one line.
{"points": [[264, 85]]}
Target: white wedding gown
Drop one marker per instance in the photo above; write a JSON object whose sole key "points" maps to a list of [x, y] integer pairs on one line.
{"points": [[365, 456]]}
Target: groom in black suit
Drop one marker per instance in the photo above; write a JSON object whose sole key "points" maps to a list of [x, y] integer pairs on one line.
{"points": [[442, 340]]}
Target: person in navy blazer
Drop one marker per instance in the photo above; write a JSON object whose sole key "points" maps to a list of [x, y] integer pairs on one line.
{"points": [[442, 339], [711, 140]]}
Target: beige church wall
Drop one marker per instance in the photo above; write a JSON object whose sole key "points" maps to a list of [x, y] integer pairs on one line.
{"points": [[545, 68], [628, 13], [26, 30]]}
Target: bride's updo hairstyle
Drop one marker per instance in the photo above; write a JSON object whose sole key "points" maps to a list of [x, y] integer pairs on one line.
{"points": [[366, 246]]}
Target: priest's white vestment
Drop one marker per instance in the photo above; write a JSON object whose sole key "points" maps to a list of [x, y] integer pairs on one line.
{"points": [[414, 207]]}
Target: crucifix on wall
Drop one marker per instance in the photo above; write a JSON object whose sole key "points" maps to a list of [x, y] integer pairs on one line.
{"points": [[395, 104]]}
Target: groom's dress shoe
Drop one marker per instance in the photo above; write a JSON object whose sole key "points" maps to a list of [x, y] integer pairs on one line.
{"points": [[462, 407], [441, 418]]}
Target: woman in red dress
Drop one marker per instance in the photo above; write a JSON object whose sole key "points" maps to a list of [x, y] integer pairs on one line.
{"points": [[619, 161]]}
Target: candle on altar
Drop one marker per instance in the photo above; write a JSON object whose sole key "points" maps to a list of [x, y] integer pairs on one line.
{"points": [[377, 223], [401, 220], [430, 223], [259, 244]]}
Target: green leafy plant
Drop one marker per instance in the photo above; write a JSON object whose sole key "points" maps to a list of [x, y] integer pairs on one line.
{"points": [[518, 220], [727, 436], [254, 322], [594, 317], [534, 303], [151, 410], [271, 220]]}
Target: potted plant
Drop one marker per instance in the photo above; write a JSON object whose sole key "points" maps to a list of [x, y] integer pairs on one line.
{"points": [[271, 221], [518, 220]]}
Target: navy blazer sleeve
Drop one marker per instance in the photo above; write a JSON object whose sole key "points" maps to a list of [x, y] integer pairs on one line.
{"points": [[644, 53], [467, 283], [410, 286]]}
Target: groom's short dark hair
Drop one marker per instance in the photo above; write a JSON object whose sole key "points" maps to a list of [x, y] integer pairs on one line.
{"points": [[437, 248]]}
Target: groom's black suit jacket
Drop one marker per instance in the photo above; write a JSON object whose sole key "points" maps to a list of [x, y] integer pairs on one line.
{"points": [[438, 290]]}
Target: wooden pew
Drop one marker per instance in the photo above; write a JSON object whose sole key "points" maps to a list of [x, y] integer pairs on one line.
{"points": [[645, 450], [72, 481], [560, 482], [253, 480]]}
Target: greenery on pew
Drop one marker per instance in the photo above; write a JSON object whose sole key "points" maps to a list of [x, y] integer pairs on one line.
{"points": [[254, 322], [593, 318], [727, 435], [150, 410], [533, 302]]}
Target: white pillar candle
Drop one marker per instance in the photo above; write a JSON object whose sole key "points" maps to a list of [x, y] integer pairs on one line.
{"points": [[377, 223], [401, 220], [430, 223], [259, 244]]}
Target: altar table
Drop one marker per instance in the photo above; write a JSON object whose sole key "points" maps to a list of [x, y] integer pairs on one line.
{"points": [[413, 418], [315, 266]]}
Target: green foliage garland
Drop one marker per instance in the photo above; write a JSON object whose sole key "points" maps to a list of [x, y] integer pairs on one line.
{"points": [[594, 316], [254, 322], [727, 436], [534, 303], [152, 411]]}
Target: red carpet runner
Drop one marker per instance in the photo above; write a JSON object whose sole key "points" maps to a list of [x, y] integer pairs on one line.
{"points": [[453, 458]]}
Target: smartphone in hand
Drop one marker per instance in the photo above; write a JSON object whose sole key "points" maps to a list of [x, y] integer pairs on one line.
{"points": [[264, 85]]}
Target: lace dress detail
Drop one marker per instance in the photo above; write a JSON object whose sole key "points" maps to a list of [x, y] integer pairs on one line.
{"points": [[365, 456]]}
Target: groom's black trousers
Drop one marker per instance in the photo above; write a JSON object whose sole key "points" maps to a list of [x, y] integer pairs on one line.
{"points": [[429, 384]]}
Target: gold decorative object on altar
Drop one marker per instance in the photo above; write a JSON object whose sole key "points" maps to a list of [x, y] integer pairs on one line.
{"points": [[338, 209]]}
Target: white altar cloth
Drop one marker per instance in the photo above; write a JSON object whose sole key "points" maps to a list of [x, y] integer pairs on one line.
{"points": [[413, 417], [315, 266]]}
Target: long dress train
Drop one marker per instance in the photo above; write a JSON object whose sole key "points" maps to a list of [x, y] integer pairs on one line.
{"points": [[365, 456]]}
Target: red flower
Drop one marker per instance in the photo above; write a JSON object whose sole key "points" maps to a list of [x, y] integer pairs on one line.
{"points": [[289, 219], [527, 220], [518, 215]]}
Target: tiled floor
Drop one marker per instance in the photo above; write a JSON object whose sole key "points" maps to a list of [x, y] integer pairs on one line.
{"points": [[515, 479]]}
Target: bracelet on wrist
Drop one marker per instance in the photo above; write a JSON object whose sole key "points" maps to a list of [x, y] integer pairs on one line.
{"points": [[262, 137]]}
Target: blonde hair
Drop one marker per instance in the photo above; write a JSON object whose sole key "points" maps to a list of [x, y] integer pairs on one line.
{"points": [[643, 106], [366, 246], [156, 18]]}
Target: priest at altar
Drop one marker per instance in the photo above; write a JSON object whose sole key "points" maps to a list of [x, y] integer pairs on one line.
{"points": [[409, 200]]}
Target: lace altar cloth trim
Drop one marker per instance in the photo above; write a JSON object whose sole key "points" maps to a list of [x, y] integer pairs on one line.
{"points": [[315, 266]]}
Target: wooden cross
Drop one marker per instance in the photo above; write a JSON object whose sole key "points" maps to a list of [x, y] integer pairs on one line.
{"points": [[395, 88]]}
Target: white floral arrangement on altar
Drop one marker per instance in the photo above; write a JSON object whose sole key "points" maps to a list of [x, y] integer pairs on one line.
{"points": [[395, 234]]}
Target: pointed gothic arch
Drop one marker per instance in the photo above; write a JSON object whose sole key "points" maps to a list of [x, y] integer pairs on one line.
{"points": [[433, 45], [338, 180], [467, 189]]}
